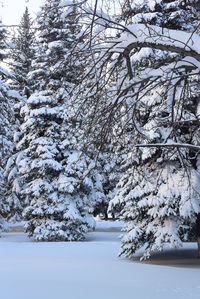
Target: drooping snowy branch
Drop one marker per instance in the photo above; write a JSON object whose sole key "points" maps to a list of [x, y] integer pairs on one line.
{"points": [[143, 35], [172, 145]]}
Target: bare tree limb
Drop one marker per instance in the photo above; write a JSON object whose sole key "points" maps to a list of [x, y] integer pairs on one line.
{"points": [[174, 145]]}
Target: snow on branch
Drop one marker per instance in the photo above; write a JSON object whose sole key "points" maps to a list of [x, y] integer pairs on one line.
{"points": [[171, 144], [143, 35]]}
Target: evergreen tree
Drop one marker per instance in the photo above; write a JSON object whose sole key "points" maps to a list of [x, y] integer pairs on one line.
{"points": [[22, 53], [58, 30], [103, 174], [21, 57], [55, 211], [52, 167], [159, 190], [153, 94], [6, 121]]}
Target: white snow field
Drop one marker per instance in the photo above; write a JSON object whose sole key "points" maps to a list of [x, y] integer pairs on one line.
{"points": [[92, 270]]}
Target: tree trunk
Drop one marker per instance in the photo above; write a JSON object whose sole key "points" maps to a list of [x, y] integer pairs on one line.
{"points": [[106, 215], [198, 233]]}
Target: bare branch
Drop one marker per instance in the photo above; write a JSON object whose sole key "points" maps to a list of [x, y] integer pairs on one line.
{"points": [[174, 145]]}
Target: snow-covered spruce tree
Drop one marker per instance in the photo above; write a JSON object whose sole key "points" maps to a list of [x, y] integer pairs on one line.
{"points": [[160, 207], [56, 209], [96, 175], [157, 93], [57, 33], [62, 67], [6, 121], [5, 114], [97, 183], [22, 53], [11, 174], [171, 14], [103, 173], [50, 170], [6, 132]]}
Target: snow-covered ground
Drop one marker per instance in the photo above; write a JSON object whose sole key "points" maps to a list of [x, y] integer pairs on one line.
{"points": [[92, 270]]}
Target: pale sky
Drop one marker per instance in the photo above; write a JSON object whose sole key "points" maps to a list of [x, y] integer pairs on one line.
{"points": [[12, 10]]}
